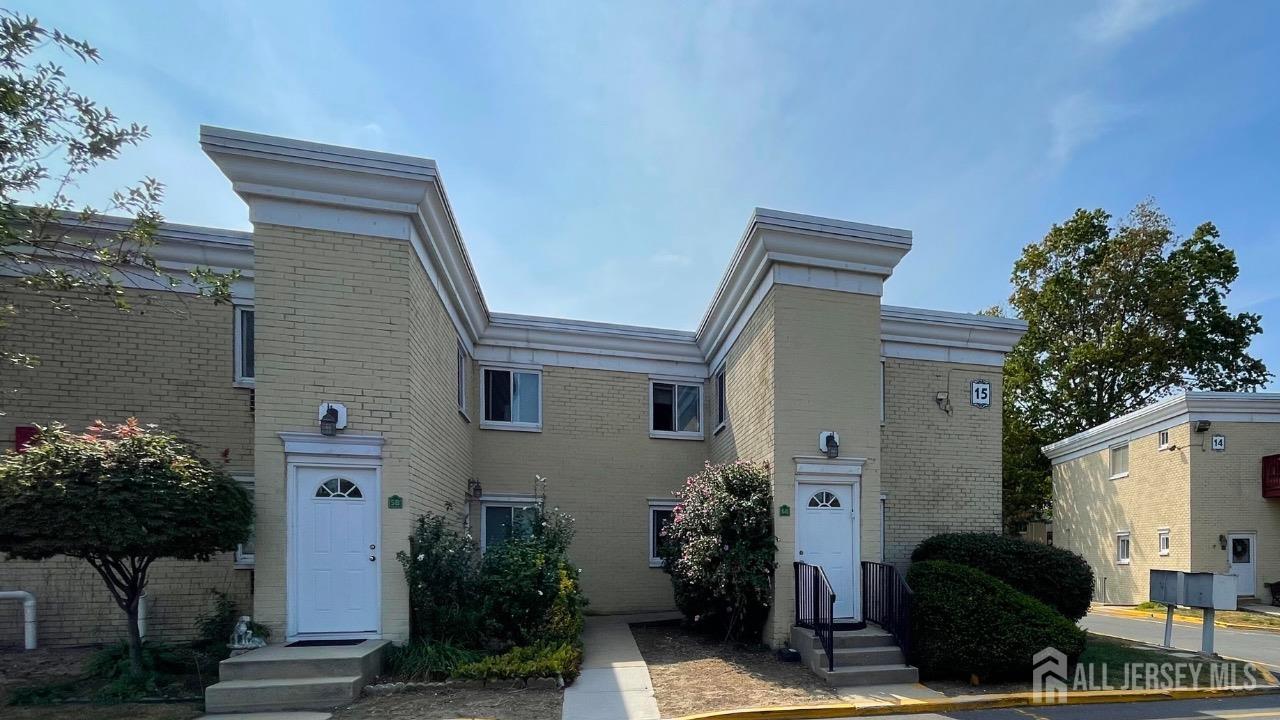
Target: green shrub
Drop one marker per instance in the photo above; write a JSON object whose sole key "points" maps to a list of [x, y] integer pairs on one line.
{"points": [[522, 582], [1052, 575], [967, 623], [443, 582], [424, 660], [719, 549], [562, 660]]}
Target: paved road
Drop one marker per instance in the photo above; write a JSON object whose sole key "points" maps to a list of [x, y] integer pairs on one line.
{"points": [[1259, 646], [1261, 707]]}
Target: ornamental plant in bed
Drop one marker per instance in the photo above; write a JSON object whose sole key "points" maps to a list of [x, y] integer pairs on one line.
{"points": [[515, 612], [719, 549]]}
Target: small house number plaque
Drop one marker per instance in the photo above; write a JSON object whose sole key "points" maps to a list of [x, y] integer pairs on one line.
{"points": [[980, 393], [395, 502], [784, 511], [1219, 443]]}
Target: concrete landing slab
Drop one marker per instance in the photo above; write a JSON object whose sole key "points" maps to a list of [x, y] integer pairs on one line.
{"points": [[269, 716], [888, 695]]}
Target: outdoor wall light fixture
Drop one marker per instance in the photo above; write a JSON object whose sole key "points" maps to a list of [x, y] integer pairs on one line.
{"points": [[943, 398], [333, 417], [1202, 426], [473, 488]]}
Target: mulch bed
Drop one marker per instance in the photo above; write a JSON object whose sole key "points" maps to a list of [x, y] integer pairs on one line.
{"points": [[693, 674], [19, 668], [446, 704]]}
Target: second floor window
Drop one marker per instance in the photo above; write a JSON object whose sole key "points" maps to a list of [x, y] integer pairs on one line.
{"points": [[244, 345], [513, 398], [675, 409]]}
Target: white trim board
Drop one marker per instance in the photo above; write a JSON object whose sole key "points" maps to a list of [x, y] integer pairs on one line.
{"points": [[1165, 414], [304, 184]]}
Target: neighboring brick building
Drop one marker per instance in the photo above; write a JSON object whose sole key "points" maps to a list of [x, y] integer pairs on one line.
{"points": [[1176, 485], [359, 294]]}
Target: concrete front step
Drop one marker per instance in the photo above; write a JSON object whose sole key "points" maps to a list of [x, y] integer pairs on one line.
{"points": [[279, 661], [315, 693], [869, 675], [857, 657], [281, 715], [865, 638]]}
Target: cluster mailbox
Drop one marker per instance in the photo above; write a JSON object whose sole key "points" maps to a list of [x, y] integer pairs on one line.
{"points": [[1209, 590], [1204, 590]]}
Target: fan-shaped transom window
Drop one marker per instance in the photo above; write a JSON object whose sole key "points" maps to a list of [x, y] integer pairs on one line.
{"points": [[824, 499], [338, 488]]}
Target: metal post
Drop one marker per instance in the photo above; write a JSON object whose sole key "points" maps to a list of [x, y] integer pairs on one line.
{"points": [[1206, 632], [1168, 627]]}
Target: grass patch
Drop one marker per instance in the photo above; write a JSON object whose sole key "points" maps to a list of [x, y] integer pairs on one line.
{"points": [[1112, 655], [1233, 617]]}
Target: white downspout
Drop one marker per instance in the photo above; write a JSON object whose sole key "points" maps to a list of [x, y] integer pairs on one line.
{"points": [[28, 614]]}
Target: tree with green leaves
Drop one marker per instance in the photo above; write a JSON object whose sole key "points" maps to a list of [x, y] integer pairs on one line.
{"points": [[118, 497], [1119, 315], [50, 138]]}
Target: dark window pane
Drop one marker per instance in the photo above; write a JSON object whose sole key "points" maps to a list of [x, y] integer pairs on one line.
{"points": [[664, 406], [690, 408], [497, 525], [721, 407], [246, 343], [661, 519], [497, 395]]}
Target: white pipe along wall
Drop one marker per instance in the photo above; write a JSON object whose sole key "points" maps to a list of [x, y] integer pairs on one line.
{"points": [[28, 614]]}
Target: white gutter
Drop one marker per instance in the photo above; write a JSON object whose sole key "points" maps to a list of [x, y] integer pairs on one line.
{"points": [[28, 614]]}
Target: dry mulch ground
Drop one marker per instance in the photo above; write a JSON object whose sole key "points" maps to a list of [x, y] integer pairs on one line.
{"points": [[20, 668], [458, 703], [693, 674]]}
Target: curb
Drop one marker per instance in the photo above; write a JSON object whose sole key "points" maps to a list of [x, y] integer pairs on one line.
{"points": [[1150, 615], [972, 702]]}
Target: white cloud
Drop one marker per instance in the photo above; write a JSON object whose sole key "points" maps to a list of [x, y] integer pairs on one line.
{"points": [[1115, 21], [1077, 120]]}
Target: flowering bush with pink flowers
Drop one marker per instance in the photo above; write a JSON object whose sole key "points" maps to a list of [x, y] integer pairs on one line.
{"points": [[719, 549]]}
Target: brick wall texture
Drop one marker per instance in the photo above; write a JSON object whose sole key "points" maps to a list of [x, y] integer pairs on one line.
{"points": [[353, 319], [167, 362]]}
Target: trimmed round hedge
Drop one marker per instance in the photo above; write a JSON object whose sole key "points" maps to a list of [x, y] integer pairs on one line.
{"points": [[967, 623], [1057, 577]]}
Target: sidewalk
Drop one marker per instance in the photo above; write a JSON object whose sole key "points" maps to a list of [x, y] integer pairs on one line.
{"points": [[614, 684], [1271, 610]]}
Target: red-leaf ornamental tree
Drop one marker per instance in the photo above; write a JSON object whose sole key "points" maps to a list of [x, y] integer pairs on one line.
{"points": [[119, 497]]}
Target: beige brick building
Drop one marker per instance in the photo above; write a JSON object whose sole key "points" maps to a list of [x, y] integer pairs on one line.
{"points": [[359, 298], [1177, 485]]}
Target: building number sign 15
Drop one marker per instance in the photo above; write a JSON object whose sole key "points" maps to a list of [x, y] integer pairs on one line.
{"points": [[980, 393]]}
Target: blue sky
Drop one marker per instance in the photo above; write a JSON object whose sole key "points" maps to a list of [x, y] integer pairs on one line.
{"points": [[603, 158]]}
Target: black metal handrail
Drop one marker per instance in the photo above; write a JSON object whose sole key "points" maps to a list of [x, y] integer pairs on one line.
{"points": [[816, 606], [886, 601]]}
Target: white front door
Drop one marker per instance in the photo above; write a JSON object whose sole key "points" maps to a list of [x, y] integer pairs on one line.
{"points": [[336, 550], [1242, 559], [826, 535]]}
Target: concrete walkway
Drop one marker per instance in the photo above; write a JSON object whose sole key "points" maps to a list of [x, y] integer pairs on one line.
{"points": [[1271, 610], [614, 684]]}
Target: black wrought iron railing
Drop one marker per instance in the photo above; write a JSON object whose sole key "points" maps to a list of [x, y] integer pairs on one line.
{"points": [[886, 601], [815, 607]]}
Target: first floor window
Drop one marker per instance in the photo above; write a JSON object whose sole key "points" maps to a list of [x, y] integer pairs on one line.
{"points": [[675, 409], [1122, 548], [1120, 460], [1163, 539], [245, 550], [244, 344], [661, 513], [513, 397], [503, 522]]}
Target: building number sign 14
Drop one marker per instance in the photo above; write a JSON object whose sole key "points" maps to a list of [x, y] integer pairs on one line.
{"points": [[980, 393]]}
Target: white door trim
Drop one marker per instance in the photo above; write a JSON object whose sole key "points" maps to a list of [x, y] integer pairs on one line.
{"points": [[329, 455], [819, 471]]}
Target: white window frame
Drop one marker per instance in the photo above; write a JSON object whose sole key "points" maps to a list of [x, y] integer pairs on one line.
{"points": [[1111, 460], [240, 379], [246, 559], [1162, 438], [675, 407], [464, 369], [486, 424], [1128, 546], [1164, 541], [515, 502], [883, 414], [722, 405], [654, 505]]}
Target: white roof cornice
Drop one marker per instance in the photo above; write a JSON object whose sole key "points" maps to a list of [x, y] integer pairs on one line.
{"points": [[1164, 414]]}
